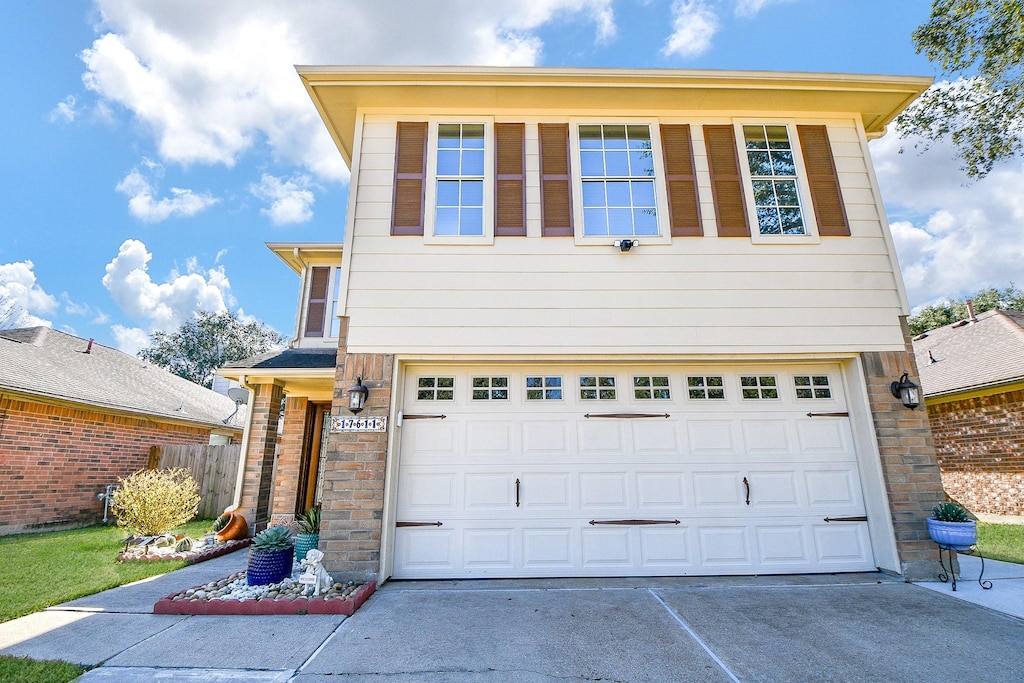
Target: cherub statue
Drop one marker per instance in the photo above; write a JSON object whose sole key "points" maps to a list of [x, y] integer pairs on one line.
{"points": [[314, 575]]}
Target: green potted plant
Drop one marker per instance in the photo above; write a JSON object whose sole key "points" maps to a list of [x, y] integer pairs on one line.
{"points": [[950, 526], [309, 533], [270, 557]]}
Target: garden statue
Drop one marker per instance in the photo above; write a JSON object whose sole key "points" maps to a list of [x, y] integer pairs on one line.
{"points": [[314, 575]]}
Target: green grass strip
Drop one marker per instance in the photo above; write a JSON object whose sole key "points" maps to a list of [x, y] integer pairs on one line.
{"points": [[24, 670]]}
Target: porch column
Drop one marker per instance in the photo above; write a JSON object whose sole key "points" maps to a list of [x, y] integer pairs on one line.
{"points": [[257, 482], [908, 458], [289, 460]]}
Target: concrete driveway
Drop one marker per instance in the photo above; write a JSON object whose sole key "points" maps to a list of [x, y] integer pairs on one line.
{"points": [[851, 627]]}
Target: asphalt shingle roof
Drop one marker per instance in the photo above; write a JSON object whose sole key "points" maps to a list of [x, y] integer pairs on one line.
{"points": [[972, 355], [51, 364], [291, 359]]}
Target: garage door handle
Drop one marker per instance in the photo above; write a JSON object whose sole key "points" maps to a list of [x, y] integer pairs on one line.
{"points": [[746, 484], [517, 493]]}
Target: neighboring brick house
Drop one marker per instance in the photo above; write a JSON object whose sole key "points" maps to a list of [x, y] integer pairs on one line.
{"points": [[75, 416], [611, 323], [972, 376]]}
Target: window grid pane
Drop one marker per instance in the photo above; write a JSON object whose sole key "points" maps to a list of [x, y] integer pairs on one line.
{"points": [[490, 389], [705, 388], [773, 175], [816, 386], [651, 387], [594, 388], [759, 387], [617, 168], [459, 206], [543, 388], [435, 389]]}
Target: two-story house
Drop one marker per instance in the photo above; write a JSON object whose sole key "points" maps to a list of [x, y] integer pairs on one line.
{"points": [[608, 323]]}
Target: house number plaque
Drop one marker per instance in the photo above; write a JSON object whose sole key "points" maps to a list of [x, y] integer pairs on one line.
{"points": [[341, 423]]}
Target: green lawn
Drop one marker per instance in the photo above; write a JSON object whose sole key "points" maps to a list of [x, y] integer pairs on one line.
{"points": [[22, 670], [44, 569], [1001, 542]]}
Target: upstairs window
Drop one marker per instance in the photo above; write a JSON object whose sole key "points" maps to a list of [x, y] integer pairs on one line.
{"points": [[459, 204], [774, 180], [618, 180]]}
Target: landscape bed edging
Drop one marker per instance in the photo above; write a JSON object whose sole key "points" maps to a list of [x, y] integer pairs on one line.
{"points": [[190, 558], [266, 606]]}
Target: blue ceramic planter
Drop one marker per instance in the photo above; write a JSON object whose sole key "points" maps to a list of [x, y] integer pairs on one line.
{"points": [[304, 543], [268, 566], [955, 535]]}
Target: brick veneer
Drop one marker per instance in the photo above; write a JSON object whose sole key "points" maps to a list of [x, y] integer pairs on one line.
{"points": [[54, 460], [980, 445], [289, 460], [260, 451], [907, 451]]}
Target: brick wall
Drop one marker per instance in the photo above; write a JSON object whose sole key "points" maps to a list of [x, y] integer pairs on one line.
{"points": [[353, 502], [54, 460], [908, 460], [260, 452], [980, 446], [289, 460]]}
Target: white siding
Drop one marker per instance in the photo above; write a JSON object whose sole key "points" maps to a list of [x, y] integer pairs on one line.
{"points": [[534, 295]]}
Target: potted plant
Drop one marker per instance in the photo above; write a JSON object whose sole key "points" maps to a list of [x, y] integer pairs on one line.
{"points": [[950, 526], [309, 533], [270, 557]]}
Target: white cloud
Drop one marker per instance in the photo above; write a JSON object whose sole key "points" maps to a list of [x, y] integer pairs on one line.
{"points": [[694, 24], [143, 205], [749, 9], [130, 340], [291, 201], [164, 305], [65, 110], [209, 81], [17, 283], [952, 237]]}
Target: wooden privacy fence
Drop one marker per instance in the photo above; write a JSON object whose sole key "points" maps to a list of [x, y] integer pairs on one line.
{"points": [[215, 469]]}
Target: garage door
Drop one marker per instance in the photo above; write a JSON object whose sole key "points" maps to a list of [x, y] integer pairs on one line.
{"points": [[626, 470]]}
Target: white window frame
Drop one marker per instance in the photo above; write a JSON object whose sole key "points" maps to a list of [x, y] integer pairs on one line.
{"points": [[430, 192], [664, 235], [803, 189]]}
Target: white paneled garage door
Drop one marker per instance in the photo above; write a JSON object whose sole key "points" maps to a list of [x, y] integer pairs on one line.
{"points": [[627, 470]]}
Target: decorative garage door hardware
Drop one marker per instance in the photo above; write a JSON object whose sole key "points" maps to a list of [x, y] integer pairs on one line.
{"points": [[633, 522], [626, 416], [517, 493], [828, 415], [746, 485], [424, 417], [418, 524], [862, 518]]}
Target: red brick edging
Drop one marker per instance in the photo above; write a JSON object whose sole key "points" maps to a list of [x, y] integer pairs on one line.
{"points": [[263, 606], [190, 558]]}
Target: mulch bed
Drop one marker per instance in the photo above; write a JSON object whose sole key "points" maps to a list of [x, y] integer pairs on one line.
{"points": [[177, 604], [190, 557]]}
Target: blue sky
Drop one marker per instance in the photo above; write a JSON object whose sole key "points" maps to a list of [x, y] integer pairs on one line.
{"points": [[151, 149]]}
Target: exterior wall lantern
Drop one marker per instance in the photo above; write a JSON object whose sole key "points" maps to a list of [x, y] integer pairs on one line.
{"points": [[357, 396], [904, 390]]}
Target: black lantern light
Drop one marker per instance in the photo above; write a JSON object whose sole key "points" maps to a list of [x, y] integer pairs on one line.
{"points": [[906, 391], [357, 396]]}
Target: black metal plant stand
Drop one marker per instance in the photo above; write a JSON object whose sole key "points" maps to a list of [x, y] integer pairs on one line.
{"points": [[950, 574]]}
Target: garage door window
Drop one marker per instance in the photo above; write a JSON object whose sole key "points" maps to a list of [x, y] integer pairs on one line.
{"points": [[702, 388], [490, 388], [651, 387], [812, 386], [758, 387], [543, 388], [595, 388], [435, 389]]}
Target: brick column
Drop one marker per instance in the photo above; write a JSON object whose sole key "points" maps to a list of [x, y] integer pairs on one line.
{"points": [[908, 459], [354, 463], [257, 483], [289, 460]]}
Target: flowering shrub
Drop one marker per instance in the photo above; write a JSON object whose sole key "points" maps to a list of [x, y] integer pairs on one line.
{"points": [[151, 502]]}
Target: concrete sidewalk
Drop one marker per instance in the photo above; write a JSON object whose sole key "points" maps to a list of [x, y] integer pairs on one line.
{"points": [[846, 627]]}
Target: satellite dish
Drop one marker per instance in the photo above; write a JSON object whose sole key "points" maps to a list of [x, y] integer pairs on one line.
{"points": [[239, 395]]}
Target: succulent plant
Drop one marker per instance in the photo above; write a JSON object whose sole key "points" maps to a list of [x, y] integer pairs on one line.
{"points": [[950, 512], [273, 538], [221, 522], [309, 521]]}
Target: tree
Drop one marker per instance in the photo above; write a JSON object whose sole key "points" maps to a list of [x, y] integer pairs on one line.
{"points": [[948, 312], [209, 341], [981, 43]]}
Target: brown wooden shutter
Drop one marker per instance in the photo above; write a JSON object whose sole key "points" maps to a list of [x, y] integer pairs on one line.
{"points": [[681, 179], [316, 305], [510, 179], [555, 184], [823, 181], [726, 182], [410, 179]]}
